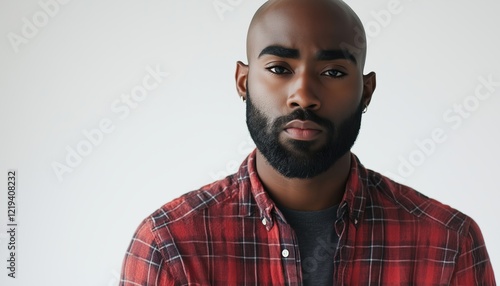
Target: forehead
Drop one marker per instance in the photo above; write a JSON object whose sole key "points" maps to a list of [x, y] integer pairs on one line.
{"points": [[301, 25]]}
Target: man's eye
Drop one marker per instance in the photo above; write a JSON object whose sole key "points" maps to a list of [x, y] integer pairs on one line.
{"points": [[333, 73], [278, 70]]}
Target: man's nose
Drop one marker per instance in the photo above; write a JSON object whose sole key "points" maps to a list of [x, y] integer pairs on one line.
{"points": [[303, 92]]}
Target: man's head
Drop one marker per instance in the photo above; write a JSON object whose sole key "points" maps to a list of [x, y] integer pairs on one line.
{"points": [[304, 83]]}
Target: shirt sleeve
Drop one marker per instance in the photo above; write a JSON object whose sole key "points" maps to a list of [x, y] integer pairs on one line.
{"points": [[473, 263], [143, 263]]}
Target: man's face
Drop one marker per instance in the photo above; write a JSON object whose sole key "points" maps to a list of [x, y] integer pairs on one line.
{"points": [[305, 91]]}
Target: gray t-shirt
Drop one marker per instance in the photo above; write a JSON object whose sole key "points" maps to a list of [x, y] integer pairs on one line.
{"points": [[318, 241]]}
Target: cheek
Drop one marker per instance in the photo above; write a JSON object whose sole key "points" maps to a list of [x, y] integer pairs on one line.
{"points": [[342, 96], [267, 93]]}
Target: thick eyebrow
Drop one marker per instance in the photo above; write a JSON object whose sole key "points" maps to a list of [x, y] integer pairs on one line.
{"points": [[329, 55], [280, 51], [324, 55]]}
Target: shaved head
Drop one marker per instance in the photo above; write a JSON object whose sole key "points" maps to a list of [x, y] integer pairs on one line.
{"points": [[334, 17]]}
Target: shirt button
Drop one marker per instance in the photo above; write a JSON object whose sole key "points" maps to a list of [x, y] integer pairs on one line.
{"points": [[264, 221], [285, 253]]}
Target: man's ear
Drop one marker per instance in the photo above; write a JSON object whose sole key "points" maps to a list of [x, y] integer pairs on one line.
{"points": [[241, 77], [369, 84]]}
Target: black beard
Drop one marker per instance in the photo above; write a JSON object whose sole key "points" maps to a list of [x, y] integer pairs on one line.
{"points": [[298, 160]]}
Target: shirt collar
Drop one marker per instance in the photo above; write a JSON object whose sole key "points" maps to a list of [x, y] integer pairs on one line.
{"points": [[253, 197], [355, 195]]}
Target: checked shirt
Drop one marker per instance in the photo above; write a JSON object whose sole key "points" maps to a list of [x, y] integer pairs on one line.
{"points": [[231, 233]]}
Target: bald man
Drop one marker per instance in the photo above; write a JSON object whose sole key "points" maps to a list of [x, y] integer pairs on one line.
{"points": [[302, 209]]}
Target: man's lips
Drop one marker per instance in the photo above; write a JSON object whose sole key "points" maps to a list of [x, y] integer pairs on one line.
{"points": [[302, 130]]}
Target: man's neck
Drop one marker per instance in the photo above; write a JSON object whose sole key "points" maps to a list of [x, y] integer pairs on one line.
{"points": [[317, 193]]}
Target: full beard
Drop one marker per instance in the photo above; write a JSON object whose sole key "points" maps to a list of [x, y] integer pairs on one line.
{"points": [[297, 158]]}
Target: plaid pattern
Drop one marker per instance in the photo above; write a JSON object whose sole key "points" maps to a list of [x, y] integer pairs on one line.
{"points": [[230, 233]]}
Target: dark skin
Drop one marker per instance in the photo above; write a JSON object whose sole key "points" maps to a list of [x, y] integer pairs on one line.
{"points": [[301, 71]]}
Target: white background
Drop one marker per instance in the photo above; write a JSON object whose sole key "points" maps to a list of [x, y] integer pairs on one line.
{"points": [[191, 129]]}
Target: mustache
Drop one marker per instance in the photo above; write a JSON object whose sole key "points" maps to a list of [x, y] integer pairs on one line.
{"points": [[303, 114]]}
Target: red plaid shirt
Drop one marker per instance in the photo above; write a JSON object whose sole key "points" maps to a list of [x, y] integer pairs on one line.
{"points": [[231, 233]]}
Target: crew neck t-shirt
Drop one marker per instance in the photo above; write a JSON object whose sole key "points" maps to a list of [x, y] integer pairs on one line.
{"points": [[317, 241]]}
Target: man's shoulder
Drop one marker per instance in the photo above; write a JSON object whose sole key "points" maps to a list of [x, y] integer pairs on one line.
{"points": [[190, 205], [404, 199]]}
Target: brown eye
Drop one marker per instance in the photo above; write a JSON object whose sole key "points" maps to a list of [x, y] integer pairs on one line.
{"points": [[334, 73], [278, 70]]}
